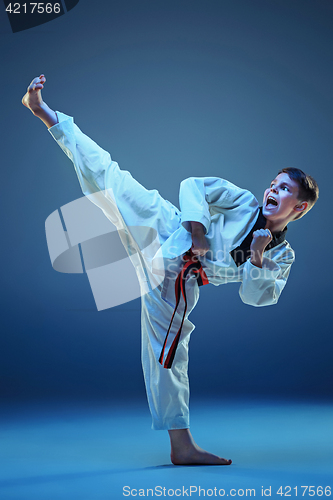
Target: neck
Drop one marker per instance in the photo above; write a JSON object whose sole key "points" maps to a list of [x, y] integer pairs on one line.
{"points": [[275, 226]]}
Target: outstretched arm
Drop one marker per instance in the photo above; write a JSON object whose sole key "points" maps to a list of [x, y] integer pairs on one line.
{"points": [[33, 101]]}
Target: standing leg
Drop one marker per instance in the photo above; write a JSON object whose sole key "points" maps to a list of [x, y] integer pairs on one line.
{"points": [[168, 389]]}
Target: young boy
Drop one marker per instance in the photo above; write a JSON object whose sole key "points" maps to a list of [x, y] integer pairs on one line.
{"points": [[220, 236]]}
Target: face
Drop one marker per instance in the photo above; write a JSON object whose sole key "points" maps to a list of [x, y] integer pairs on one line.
{"points": [[281, 200]]}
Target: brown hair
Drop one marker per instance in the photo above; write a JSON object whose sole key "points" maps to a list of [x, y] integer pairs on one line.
{"points": [[308, 189]]}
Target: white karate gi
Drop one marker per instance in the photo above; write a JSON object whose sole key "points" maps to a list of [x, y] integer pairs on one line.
{"points": [[228, 214]]}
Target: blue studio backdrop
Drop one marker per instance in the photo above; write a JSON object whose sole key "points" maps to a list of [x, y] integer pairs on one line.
{"points": [[233, 89]]}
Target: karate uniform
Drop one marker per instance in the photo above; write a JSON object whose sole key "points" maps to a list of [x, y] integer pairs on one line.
{"points": [[229, 215]]}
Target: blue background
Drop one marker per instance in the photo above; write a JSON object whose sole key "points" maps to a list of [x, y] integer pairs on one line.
{"points": [[172, 89]]}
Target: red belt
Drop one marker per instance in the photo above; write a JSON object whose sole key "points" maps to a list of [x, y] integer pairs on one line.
{"points": [[194, 265]]}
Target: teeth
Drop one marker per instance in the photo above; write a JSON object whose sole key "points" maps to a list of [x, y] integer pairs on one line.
{"points": [[271, 200]]}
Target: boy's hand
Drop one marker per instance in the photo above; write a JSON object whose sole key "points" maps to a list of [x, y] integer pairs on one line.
{"points": [[261, 238], [199, 243]]}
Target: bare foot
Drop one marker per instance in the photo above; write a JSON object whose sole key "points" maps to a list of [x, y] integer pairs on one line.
{"points": [[184, 450], [33, 98], [33, 101]]}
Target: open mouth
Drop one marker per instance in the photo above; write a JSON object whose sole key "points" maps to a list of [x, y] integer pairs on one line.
{"points": [[271, 201]]}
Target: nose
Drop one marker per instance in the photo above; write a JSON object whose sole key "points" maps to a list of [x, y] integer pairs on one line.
{"points": [[273, 188]]}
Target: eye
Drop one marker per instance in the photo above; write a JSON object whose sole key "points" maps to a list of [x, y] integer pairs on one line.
{"points": [[285, 188]]}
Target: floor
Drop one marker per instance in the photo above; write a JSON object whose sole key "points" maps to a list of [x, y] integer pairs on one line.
{"points": [[94, 451]]}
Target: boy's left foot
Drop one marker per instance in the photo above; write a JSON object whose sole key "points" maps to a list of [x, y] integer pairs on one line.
{"points": [[184, 451]]}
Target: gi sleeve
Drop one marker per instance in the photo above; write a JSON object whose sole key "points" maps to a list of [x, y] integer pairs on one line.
{"points": [[202, 197], [263, 286]]}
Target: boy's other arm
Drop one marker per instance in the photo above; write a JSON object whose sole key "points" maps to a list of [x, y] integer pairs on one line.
{"points": [[262, 286], [199, 197]]}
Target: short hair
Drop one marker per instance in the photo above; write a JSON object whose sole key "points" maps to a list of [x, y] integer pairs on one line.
{"points": [[308, 189]]}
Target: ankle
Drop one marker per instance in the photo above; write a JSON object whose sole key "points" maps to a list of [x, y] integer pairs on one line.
{"points": [[180, 439], [38, 109]]}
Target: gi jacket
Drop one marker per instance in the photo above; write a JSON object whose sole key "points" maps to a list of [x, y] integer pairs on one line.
{"points": [[227, 212]]}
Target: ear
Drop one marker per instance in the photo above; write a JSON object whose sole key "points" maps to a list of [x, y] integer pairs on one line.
{"points": [[300, 207]]}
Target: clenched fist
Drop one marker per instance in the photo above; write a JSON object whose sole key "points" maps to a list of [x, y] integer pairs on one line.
{"points": [[199, 243], [261, 238]]}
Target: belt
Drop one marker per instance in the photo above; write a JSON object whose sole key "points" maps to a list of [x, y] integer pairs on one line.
{"points": [[191, 264]]}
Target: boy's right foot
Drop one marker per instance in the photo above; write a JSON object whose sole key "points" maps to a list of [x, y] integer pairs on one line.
{"points": [[33, 98]]}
